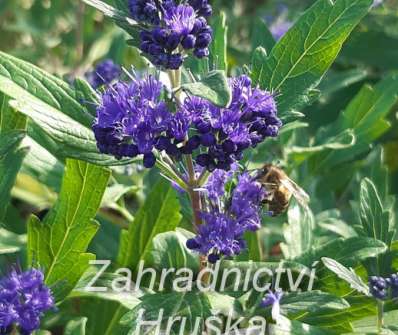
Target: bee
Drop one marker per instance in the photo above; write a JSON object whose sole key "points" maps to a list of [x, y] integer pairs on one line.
{"points": [[280, 189]]}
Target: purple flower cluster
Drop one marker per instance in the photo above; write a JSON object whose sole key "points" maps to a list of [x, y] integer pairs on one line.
{"points": [[104, 73], [23, 300], [223, 228], [393, 282], [173, 29], [224, 133], [132, 120], [383, 288]]}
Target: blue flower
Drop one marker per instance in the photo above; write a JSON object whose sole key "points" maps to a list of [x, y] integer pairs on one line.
{"points": [[393, 281], [215, 186], [225, 223], [246, 200], [180, 19], [220, 234], [172, 30], [144, 11], [202, 7], [226, 132], [131, 118], [104, 73], [378, 287], [23, 299]]}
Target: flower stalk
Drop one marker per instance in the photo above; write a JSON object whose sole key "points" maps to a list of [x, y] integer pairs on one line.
{"points": [[380, 316]]}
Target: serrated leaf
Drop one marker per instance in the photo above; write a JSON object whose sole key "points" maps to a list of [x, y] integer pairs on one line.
{"points": [[53, 106], [59, 243], [214, 88], [300, 59], [159, 214], [20, 79], [348, 275]]}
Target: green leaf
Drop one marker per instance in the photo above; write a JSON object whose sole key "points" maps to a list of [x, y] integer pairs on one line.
{"points": [[259, 58], [76, 327], [87, 95], [370, 105], [300, 59], [344, 140], [11, 157], [169, 250], [159, 214], [331, 221], [53, 106], [309, 302], [261, 36], [299, 232], [365, 115], [374, 219], [11, 243], [368, 325], [214, 88], [9, 118], [120, 17], [377, 223], [348, 275], [347, 251], [20, 79], [218, 54], [338, 80], [364, 48], [254, 249], [290, 327], [193, 306], [42, 166], [59, 243], [126, 297]]}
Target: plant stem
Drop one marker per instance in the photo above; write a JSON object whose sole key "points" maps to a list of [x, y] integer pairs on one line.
{"points": [[380, 314]]}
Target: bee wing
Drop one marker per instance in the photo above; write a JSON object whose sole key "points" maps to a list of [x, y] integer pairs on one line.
{"points": [[302, 197]]}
